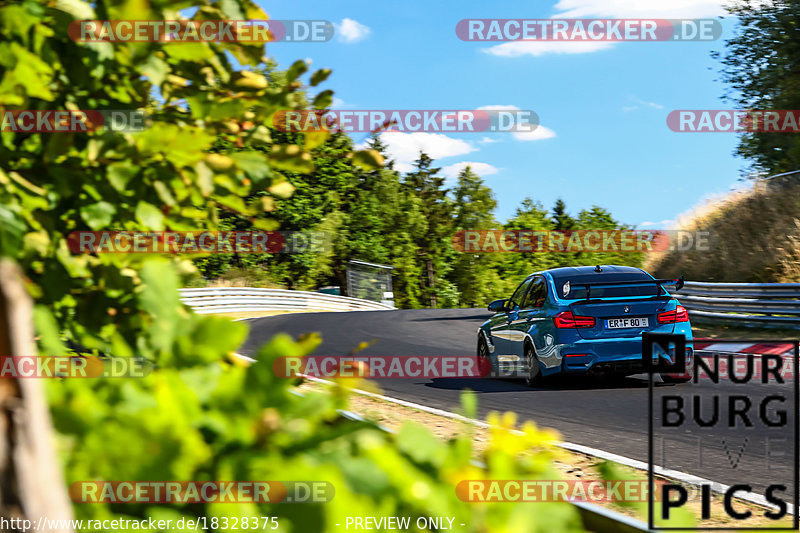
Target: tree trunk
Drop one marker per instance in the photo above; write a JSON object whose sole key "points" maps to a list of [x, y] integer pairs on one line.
{"points": [[432, 284], [32, 486]]}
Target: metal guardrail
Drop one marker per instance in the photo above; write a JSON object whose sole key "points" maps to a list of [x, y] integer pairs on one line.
{"points": [[781, 180], [745, 304], [249, 299]]}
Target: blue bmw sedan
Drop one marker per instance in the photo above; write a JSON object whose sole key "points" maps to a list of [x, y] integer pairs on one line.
{"points": [[581, 320]]}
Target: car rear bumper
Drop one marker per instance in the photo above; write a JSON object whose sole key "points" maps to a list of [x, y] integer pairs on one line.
{"points": [[609, 356]]}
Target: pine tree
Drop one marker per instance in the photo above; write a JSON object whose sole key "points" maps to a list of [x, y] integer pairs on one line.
{"points": [[561, 220], [376, 143], [474, 274], [427, 184]]}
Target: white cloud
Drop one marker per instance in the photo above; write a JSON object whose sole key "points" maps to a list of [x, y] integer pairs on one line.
{"points": [[638, 103], [538, 48], [640, 8], [481, 169], [537, 134], [488, 140], [350, 30], [338, 103], [650, 9], [664, 224], [404, 148], [498, 108], [652, 104]]}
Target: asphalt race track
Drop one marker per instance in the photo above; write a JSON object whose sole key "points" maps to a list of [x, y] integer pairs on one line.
{"points": [[604, 414]]}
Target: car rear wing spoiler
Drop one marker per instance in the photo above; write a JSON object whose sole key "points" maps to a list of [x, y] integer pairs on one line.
{"points": [[588, 286]]}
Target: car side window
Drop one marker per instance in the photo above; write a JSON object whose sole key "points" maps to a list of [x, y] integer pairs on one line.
{"points": [[519, 294], [536, 295]]}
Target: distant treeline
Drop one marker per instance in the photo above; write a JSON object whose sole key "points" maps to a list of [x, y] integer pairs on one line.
{"points": [[405, 220]]}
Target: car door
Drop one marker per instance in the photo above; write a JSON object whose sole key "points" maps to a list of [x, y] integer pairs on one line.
{"points": [[527, 316], [541, 327], [502, 331]]}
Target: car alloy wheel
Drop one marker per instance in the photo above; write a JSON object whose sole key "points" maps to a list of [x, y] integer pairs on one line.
{"points": [[532, 371]]}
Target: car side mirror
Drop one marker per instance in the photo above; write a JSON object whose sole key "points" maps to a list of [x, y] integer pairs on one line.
{"points": [[498, 306]]}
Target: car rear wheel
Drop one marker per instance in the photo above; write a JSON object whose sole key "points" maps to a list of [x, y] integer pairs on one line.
{"points": [[484, 359], [532, 370]]}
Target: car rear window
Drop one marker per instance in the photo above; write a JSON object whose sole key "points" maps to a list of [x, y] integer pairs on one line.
{"points": [[579, 293]]}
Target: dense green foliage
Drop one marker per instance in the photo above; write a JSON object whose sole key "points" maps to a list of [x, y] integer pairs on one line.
{"points": [[406, 221], [762, 70], [159, 178]]}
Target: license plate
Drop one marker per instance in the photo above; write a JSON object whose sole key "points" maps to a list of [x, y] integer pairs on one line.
{"points": [[631, 322]]}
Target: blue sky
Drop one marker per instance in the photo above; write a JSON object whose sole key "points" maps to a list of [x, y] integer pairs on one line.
{"points": [[603, 138]]}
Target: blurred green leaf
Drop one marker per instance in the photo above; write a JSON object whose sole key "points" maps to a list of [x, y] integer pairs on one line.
{"points": [[323, 100], [368, 159], [254, 164], [99, 215], [297, 69], [320, 76], [469, 403], [292, 158], [149, 216], [120, 173], [47, 329]]}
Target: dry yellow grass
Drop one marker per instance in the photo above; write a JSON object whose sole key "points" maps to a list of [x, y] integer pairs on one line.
{"points": [[755, 234]]}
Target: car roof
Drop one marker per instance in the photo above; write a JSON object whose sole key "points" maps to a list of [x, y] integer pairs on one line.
{"points": [[565, 271]]}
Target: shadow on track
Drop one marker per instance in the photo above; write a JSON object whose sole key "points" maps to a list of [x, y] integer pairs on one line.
{"points": [[554, 384]]}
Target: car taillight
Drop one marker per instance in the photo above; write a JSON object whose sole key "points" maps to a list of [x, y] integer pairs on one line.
{"points": [[566, 319], [679, 314]]}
